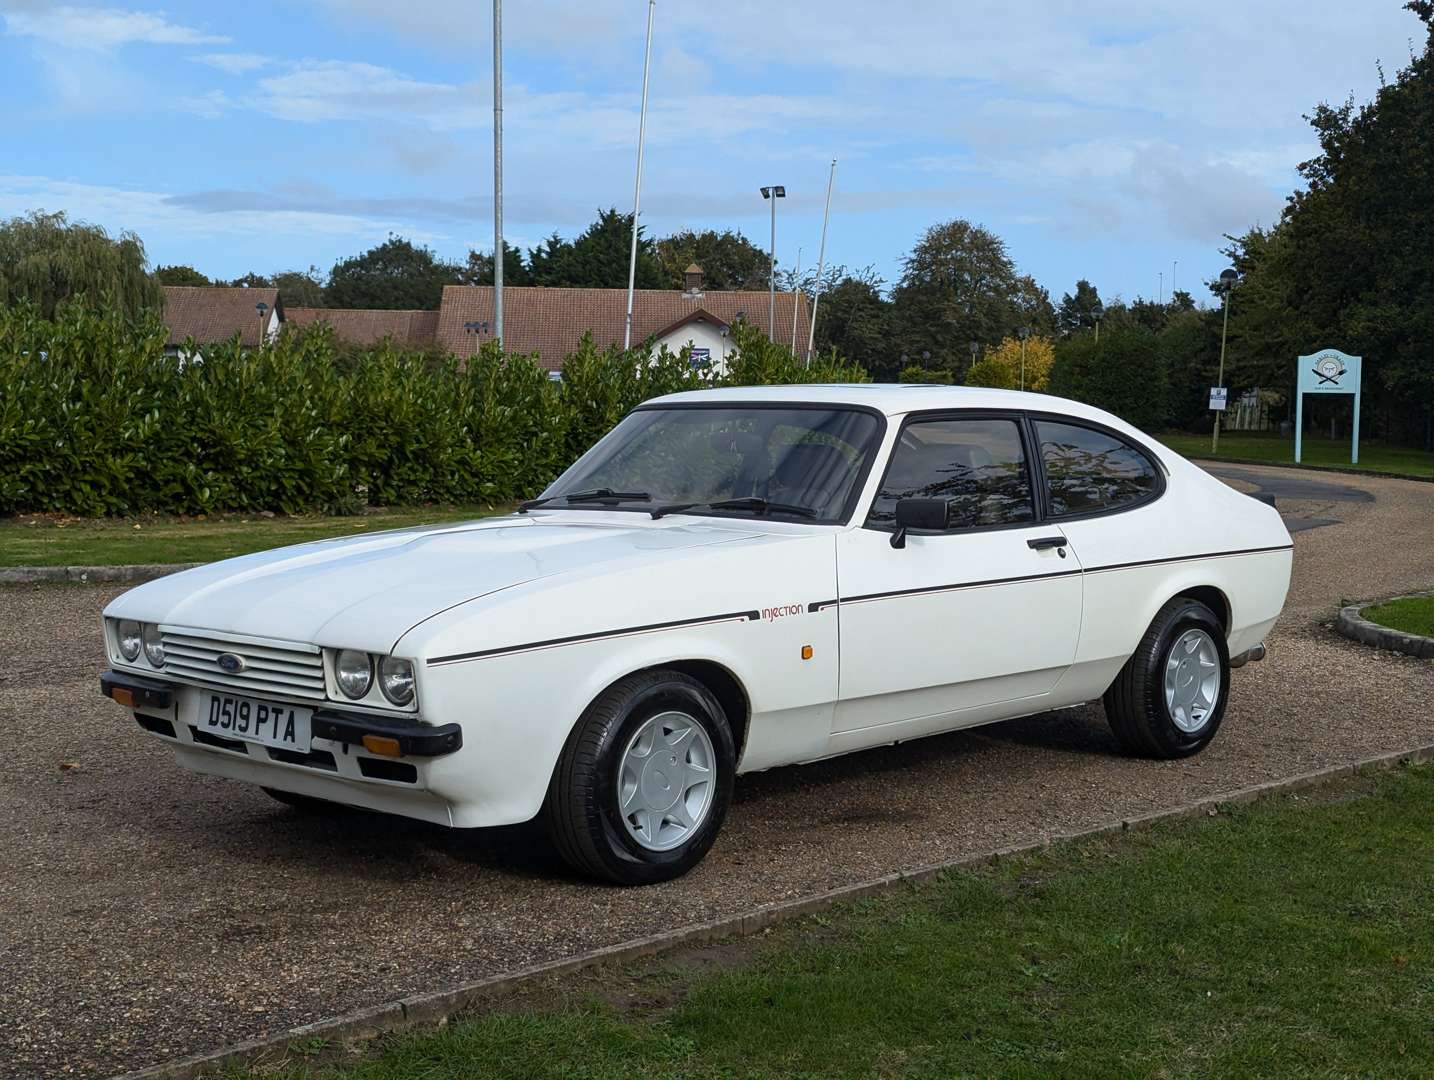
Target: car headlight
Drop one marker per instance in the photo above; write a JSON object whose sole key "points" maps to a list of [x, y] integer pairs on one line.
{"points": [[153, 644], [128, 632], [395, 679], [353, 671]]}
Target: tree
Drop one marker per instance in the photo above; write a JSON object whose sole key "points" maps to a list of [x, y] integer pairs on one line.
{"points": [[1351, 262], [549, 262], [300, 288], [180, 275], [45, 260], [479, 270], [958, 285], [599, 256], [394, 274], [728, 259], [1077, 312], [251, 280], [1033, 306], [855, 319], [1001, 367]]}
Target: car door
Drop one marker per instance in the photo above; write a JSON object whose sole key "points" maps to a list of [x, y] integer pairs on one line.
{"points": [[940, 632]]}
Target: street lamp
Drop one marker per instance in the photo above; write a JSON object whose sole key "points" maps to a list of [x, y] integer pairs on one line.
{"points": [[1097, 313], [772, 194], [1023, 333], [261, 307], [1224, 286]]}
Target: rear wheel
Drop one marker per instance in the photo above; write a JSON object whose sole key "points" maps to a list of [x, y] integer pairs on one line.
{"points": [[1169, 699], [644, 782]]}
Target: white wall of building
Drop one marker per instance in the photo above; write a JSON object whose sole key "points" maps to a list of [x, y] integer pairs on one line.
{"points": [[700, 335]]}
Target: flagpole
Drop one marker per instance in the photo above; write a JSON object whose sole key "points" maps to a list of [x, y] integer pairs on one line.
{"points": [[637, 186], [796, 301], [498, 170], [821, 263]]}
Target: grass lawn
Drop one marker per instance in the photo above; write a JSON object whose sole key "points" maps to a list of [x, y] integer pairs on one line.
{"points": [[1412, 615], [49, 540], [1294, 937], [1281, 451]]}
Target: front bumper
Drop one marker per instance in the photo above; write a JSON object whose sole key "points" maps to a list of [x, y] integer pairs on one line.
{"points": [[376, 762], [380, 735]]}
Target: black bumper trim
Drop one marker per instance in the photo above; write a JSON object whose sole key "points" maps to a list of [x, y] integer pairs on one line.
{"points": [[147, 693], [413, 740]]}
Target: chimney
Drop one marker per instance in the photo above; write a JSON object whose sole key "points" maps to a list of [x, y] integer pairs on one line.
{"points": [[692, 280]]}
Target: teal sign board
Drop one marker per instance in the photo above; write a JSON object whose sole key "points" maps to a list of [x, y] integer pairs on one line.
{"points": [[1328, 371]]}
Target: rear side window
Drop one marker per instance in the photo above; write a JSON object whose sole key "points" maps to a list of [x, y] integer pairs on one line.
{"points": [[977, 466], [1089, 471]]}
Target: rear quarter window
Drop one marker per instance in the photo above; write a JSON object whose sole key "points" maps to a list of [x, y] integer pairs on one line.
{"points": [[1092, 472]]}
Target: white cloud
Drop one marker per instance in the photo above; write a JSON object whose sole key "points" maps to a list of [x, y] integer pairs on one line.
{"points": [[102, 28], [232, 63], [162, 214]]}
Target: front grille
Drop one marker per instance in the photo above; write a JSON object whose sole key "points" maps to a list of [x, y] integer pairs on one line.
{"points": [[273, 667]]}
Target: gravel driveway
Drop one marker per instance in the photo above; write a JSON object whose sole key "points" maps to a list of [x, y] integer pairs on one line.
{"points": [[147, 913]]}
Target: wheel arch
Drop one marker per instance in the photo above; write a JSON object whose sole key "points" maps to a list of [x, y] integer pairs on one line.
{"points": [[1214, 599], [719, 680]]}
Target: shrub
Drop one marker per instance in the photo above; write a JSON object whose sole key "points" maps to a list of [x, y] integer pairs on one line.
{"points": [[1122, 373], [95, 419], [1001, 367]]}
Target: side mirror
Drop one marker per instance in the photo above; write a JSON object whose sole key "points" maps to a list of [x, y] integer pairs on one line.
{"points": [[926, 515]]}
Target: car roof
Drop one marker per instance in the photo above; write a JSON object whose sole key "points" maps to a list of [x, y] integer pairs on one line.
{"points": [[892, 399]]}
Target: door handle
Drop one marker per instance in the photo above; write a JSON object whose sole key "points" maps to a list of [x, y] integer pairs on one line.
{"points": [[1040, 543]]}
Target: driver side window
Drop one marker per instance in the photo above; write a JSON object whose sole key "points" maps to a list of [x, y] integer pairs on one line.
{"points": [[978, 466]]}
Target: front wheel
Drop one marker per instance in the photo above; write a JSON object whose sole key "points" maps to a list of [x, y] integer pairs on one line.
{"points": [[644, 782], [1169, 699]]}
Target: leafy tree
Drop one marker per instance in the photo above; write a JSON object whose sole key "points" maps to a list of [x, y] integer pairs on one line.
{"points": [[1001, 367], [180, 275], [479, 270], [958, 285], [1077, 311], [1180, 300], [1033, 306], [854, 319], [728, 259], [1351, 262], [1189, 346], [301, 288], [46, 260], [394, 274], [250, 280]]}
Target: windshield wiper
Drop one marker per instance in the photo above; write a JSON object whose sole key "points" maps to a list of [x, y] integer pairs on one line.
{"points": [[603, 495], [756, 505]]}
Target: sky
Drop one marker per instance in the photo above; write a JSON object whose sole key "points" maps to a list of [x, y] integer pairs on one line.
{"points": [[1115, 140]]}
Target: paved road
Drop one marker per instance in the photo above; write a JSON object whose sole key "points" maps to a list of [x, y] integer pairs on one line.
{"points": [[147, 913]]}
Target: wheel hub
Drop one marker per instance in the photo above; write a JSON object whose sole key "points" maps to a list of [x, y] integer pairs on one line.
{"points": [[1192, 680], [665, 780]]}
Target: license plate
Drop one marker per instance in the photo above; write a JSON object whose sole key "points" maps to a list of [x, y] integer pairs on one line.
{"points": [[269, 722]]}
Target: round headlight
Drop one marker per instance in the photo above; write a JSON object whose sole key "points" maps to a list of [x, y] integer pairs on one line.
{"points": [[128, 633], [153, 645], [395, 679], [354, 672]]}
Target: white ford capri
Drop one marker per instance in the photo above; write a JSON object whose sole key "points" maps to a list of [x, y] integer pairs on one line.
{"points": [[730, 580]]}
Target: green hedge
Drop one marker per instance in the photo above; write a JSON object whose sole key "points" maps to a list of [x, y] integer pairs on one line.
{"points": [[95, 419]]}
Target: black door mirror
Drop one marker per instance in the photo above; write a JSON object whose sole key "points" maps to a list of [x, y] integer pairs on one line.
{"points": [[926, 515]]}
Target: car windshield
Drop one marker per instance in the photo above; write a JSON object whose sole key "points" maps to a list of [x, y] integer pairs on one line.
{"points": [[779, 461]]}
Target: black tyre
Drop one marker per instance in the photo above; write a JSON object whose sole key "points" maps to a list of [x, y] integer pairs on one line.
{"points": [[307, 804], [1169, 699], [644, 782]]}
